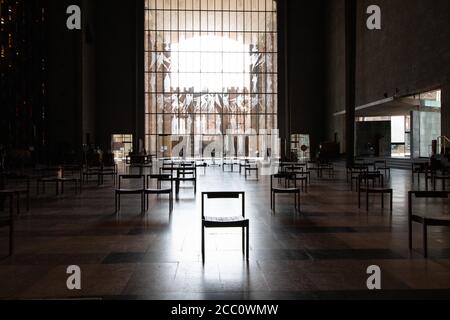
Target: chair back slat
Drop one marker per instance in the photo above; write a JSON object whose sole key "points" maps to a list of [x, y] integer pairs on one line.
{"points": [[223, 195], [132, 177], [430, 194]]}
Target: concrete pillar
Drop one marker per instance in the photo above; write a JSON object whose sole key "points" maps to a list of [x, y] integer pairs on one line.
{"points": [[445, 112], [350, 79]]}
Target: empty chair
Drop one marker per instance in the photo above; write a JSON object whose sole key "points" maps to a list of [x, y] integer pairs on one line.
{"points": [[186, 174], [108, 170], [20, 185], [418, 168], [202, 164], [236, 221], [427, 220], [138, 190], [381, 165], [9, 220], [252, 167], [159, 190], [243, 164], [299, 176], [381, 190], [274, 190], [228, 163]]}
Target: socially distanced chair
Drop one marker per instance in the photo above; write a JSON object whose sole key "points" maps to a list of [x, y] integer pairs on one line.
{"points": [[243, 164], [159, 190], [424, 218], [368, 190], [354, 172], [252, 167], [228, 163], [110, 170], [202, 164], [9, 220], [299, 176], [419, 168], [381, 165], [236, 221], [137, 189], [186, 174], [274, 190], [20, 184]]}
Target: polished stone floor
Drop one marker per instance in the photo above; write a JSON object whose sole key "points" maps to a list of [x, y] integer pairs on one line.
{"points": [[321, 253]]}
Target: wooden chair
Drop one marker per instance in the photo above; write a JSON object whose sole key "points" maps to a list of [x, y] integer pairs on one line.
{"points": [[111, 171], [373, 190], [434, 177], [353, 174], [366, 177], [185, 174], [381, 165], [283, 190], [418, 168], [62, 181], [202, 164], [9, 221], [299, 176], [43, 182], [21, 185], [89, 172], [424, 219], [130, 191], [226, 222], [251, 167], [159, 190], [228, 163], [59, 182], [243, 164]]}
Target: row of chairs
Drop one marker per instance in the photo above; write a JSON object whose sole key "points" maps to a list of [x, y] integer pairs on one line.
{"points": [[144, 189], [9, 220], [424, 219], [368, 183]]}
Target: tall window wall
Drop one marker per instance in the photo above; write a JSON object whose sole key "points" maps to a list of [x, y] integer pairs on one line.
{"points": [[210, 71]]}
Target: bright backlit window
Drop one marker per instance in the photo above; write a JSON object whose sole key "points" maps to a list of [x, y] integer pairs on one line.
{"points": [[210, 70]]}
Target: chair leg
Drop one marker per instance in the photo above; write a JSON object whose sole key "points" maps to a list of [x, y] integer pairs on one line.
{"points": [[391, 201], [115, 203], [203, 243], [382, 201], [28, 201], [271, 199], [274, 202], [359, 199], [11, 228], [367, 201], [243, 240], [248, 242], [410, 234], [425, 240], [18, 204]]}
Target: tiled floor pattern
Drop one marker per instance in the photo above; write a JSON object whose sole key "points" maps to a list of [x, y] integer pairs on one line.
{"points": [[322, 253]]}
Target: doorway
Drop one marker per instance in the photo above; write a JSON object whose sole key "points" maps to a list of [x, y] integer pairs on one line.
{"points": [[121, 146]]}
